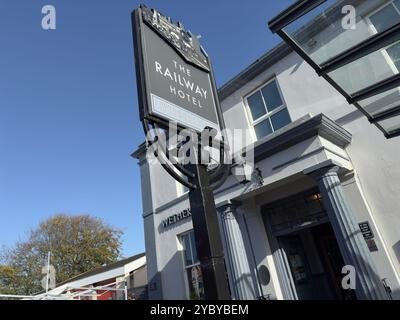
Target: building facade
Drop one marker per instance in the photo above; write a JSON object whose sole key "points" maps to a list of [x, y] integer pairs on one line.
{"points": [[324, 196]]}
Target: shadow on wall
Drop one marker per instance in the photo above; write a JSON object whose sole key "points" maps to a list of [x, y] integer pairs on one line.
{"points": [[377, 280], [396, 249], [260, 278], [169, 283], [369, 272], [396, 295], [154, 288], [246, 280], [349, 117], [296, 67]]}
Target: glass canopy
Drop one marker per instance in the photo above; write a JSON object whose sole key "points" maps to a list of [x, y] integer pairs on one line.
{"points": [[355, 46]]}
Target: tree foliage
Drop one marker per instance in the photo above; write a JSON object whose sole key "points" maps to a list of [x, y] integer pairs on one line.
{"points": [[8, 279], [77, 244]]}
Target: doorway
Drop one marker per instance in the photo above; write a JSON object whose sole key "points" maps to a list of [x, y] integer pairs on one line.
{"points": [[315, 263], [305, 249]]}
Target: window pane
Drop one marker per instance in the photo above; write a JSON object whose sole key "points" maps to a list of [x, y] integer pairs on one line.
{"points": [[188, 253], [394, 53], [320, 32], [364, 72], [381, 102], [194, 251], [256, 105], [271, 96], [385, 18], [263, 128], [280, 119], [397, 3], [391, 125]]}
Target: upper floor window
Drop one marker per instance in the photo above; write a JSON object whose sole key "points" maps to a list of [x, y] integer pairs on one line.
{"points": [[383, 19], [268, 110]]}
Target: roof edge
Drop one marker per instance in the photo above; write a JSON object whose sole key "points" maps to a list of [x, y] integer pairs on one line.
{"points": [[102, 269], [253, 70]]}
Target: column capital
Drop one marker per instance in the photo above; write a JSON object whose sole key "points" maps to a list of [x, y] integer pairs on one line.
{"points": [[324, 172], [227, 209], [323, 169]]}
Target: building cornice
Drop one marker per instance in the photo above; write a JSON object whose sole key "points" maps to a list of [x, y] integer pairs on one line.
{"points": [[140, 152], [300, 130]]}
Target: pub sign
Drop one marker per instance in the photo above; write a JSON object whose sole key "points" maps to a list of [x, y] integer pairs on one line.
{"points": [[175, 81]]}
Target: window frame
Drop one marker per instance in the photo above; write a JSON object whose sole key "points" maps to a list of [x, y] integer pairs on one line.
{"points": [[186, 268], [374, 31], [181, 236], [267, 115], [181, 190]]}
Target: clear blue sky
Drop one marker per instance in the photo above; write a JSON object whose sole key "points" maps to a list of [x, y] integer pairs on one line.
{"points": [[68, 105]]}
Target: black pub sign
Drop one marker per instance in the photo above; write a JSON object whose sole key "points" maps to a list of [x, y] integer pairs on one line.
{"points": [[174, 76]]}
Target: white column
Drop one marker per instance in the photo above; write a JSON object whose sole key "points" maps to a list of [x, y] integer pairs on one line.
{"points": [[351, 242], [241, 279]]}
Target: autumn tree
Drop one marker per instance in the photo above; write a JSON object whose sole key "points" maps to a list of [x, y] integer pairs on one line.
{"points": [[8, 280], [77, 244]]}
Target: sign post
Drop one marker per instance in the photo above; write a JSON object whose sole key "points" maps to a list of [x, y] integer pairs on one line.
{"points": [[208, 240], [176, 86]]}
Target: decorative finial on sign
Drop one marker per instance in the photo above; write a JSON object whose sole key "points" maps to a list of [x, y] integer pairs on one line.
{"points": [[183, 41]]}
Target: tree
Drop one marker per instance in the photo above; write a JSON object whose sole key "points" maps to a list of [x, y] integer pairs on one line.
{"points": [[8, 280], [77, 244]]}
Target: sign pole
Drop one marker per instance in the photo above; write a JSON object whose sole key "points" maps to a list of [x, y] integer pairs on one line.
{"points": [[48, 271], [207, 234]]}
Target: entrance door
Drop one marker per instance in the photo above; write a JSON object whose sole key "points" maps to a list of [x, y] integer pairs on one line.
{"points": [[332, 259], [299, 266], [315, 263], [305, 248]]}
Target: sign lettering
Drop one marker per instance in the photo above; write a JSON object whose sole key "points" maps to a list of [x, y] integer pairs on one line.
{"points": [[185, 214], [175, 79]]}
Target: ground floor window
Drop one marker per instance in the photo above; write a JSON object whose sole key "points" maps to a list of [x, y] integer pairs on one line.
{"points": [[192, 267]]}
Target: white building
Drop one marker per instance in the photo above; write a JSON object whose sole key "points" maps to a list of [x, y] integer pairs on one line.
{"points": [[121, 280], [329, 178]]}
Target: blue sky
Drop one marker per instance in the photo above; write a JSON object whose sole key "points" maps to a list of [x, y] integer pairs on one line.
{"points": [[68, 104]]}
